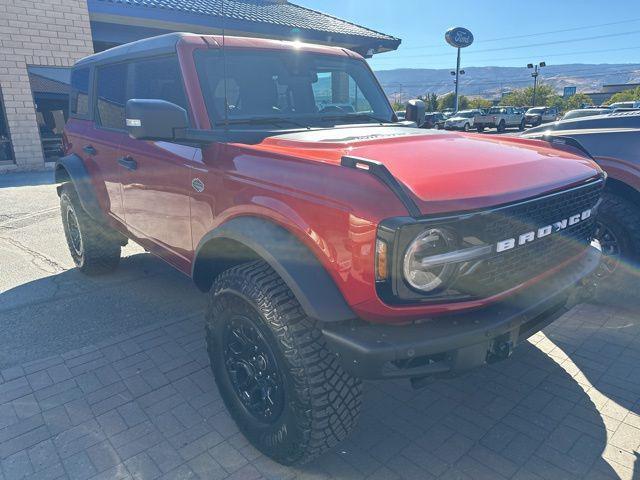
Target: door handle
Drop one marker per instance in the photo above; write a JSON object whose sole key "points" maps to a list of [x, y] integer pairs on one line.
{"points": [[128, 163], [89, 150]]}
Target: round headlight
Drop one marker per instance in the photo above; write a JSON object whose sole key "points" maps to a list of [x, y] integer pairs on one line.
{"points": [[434, 241]]}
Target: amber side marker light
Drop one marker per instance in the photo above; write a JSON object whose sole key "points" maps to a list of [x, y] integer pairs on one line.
{"points": [[382, 271]]}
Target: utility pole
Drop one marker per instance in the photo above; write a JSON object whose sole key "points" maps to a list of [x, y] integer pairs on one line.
{"points": [[535, 78]]}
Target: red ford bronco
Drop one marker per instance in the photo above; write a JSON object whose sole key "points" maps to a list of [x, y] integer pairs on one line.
{"points": [[335, 244]]}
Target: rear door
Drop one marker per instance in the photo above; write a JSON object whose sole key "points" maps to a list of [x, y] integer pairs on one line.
{"points": [[156, 178], [106, 133]]}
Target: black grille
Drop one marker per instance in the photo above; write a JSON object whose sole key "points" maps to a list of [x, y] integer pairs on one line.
{"points": [[510, 268]]}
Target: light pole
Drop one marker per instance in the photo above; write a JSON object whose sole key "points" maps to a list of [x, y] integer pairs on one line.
{"points": [[457, 73], [535, 78]]}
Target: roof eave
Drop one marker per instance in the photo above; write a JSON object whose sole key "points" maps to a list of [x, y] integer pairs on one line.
{"points": [[171, 20]]}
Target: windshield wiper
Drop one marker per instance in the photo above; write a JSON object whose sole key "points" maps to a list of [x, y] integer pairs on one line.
{"points": [[355, 116], [261, 121]]}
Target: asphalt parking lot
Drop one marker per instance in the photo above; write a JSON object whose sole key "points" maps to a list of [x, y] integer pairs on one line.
{"points": [[108, 378]]}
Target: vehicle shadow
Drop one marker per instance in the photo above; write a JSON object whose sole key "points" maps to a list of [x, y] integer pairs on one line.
{"points": [[535, 415], [70, 310], [26, 179]]}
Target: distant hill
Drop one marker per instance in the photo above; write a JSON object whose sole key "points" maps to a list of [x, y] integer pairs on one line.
{"points": [[491, 82]]}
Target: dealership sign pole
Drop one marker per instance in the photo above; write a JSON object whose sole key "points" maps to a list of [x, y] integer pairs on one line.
{"points": [[458, 37]]}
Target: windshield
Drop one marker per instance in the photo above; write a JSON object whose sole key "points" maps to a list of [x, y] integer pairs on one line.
{"points": [[535, 110], [288, 87], [466, 114], [497, 110]]}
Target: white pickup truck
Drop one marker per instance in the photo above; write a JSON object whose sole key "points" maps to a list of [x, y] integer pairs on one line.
{"points": [[500, 118]]}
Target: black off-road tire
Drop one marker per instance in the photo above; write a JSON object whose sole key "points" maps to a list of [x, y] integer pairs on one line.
{"points": [[321, 400], [501, 126], [466, 127], [622, 218], [618, 226], [521, 126], [98, 250], [480, 129]]}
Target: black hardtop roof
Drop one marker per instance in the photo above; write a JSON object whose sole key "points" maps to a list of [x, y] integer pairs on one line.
{"points": [[161, 44]]}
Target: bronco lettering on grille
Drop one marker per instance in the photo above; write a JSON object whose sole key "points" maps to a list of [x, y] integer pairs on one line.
{"points": [[554, 227]]}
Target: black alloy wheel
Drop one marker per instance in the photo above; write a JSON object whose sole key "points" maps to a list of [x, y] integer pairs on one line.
{"points": [[75, 237], [252, 369], [609, 245]]}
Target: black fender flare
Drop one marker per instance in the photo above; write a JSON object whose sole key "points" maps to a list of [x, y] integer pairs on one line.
{"points": [[77, 174], [289, 257]]}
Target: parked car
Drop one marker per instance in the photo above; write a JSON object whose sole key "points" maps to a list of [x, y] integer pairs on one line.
{"points": [[631, 104], [333, 246], [500, 118], [538, 115], [434, 120], [585, 112], [622, 109], [401, 114], [463, 120], [614, 142]]}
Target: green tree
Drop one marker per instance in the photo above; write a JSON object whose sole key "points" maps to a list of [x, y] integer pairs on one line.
{"points": [[554, 101], [480, 103], [448, 100], [397, 106], [577, 101], [431, 102], [633, 94], [524, 96]]}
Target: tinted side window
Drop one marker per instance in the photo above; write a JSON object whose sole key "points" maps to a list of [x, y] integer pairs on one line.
{"points": [[79, 98], [157, 78], [111, 95]]}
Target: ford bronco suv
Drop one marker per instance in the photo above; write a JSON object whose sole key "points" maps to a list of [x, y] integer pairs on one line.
{"points": [[335, 244]]}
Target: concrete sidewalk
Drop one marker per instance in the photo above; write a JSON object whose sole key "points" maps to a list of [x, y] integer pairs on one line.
{"points": [[109, 378]]}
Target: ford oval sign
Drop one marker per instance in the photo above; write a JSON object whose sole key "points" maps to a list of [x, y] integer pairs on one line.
{"points": [[459, 37]]}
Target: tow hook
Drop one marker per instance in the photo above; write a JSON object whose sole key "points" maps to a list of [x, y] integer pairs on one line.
{"points": [[501, 350]]}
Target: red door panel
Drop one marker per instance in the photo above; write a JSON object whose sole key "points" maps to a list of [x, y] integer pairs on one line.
{"points": [[157, 184]]}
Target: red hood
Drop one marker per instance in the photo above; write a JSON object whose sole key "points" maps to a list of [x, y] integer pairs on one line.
{"points": [[443, 171]]}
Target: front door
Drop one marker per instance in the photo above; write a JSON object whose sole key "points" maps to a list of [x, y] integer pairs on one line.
{"points": [[156, 180]]}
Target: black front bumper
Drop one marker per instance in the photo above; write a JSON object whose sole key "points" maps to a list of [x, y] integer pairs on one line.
{"points": [[454, 343]]}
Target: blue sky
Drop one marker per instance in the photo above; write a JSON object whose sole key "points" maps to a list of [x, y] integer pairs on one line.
{"points": [[571, 31]]}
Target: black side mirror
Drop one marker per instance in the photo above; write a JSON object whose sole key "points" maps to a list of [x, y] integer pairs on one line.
{"points": [[415, 110], [154, 119]]}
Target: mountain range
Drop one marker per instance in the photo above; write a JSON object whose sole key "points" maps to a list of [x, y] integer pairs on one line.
{"points": [[491, 82]]}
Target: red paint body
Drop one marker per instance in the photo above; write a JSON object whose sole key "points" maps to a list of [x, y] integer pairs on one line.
{"points": [[300, 185]]}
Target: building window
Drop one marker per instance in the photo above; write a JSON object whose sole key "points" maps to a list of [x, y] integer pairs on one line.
{"points": [[111, 94], [6, 149]]}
